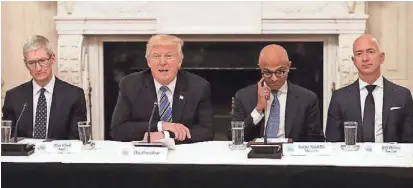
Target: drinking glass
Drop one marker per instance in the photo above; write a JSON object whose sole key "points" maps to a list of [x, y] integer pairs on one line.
{"points": [[350, 135], [5, 131], [85, 134], [237, 129]]}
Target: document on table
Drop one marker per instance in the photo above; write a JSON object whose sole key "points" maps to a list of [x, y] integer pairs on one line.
{"points": [[272, 140]]}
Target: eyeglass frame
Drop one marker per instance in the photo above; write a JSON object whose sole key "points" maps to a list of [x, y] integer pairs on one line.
{"points": [[32, 64], [281, 73]]}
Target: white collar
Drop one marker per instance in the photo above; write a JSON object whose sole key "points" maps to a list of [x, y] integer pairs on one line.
{"points": [[49, 87], [283, 89], [378, 83], [171, 85]]}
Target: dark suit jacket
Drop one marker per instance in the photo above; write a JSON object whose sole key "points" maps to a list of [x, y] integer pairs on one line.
{"points": [[136, 100], [345, 106], [302, 114], [68, 107]]}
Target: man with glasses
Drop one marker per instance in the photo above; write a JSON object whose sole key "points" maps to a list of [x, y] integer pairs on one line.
{"points": [[52, 106], [184, 110], [274, 104]]}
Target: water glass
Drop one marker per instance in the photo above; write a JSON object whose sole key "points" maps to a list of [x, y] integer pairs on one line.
{"points": [[237, 129], [5, 131], [350, 135], [85, 134]]}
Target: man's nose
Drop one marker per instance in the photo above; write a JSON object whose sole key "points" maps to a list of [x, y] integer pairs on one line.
{"points": [[274, 78], [37, 67]]}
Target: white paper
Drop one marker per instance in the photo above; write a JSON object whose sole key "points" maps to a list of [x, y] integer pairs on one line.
{"points": [[31, 141], [273, 140]]}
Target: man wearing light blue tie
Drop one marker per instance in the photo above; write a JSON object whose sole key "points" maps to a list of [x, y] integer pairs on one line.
{"points": [[288, 110]]}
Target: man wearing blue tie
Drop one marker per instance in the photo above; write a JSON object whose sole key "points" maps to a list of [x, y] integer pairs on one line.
{"points": [[184, 109], [289, 111]]}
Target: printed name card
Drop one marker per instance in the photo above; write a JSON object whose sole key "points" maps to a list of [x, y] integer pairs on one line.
{"points": [[307, 149], [149, 154], [59, 147], [402, 150]]}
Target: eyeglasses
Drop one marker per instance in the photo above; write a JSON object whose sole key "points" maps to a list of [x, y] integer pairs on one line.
{"points": [[278, 73], [42, 62]]}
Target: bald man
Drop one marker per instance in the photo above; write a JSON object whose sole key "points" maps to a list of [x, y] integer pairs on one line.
{"points": [[288, 110], [382, 109]]}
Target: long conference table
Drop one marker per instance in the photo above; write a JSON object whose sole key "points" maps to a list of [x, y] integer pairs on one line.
{"points": [[205, 164]]}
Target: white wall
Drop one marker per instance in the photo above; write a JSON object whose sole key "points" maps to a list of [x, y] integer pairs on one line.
{"points": [[392, 24]]}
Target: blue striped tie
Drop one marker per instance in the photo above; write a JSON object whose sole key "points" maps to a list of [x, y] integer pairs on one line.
{"points": [[274, 118], [165, 109]]}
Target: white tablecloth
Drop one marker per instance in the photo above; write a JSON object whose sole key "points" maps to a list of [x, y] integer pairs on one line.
{"points": [[213, 152]]}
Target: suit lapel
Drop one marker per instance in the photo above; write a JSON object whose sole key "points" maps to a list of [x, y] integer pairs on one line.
{"points": [[388, 98], [179, 96], [27, 117], [151, 95], [57, 102], [291, 103], [354, 108], [355, 105]]}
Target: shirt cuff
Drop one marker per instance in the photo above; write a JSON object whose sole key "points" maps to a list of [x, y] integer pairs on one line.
{"points": [[256, 116], [166, 135], [159, 126]]}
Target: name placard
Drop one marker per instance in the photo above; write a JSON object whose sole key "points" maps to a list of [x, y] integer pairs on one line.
{"points": [[395, 149], [151, 154], [307, 149], [59, 147]]}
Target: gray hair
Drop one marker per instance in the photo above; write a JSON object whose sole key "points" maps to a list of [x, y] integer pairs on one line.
{"points": [[37, 42], [163, 39]]}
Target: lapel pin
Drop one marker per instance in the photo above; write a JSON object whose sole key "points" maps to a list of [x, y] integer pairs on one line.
{"points": [[181, 97]]}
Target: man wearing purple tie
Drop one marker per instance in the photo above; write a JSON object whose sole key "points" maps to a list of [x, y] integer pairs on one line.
{"points": [[184, 109], [288, 110]]}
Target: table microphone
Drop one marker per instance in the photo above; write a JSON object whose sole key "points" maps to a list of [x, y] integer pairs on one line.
{"points": [[148, 141], [17, 149], [17, 123], [150, 121]]}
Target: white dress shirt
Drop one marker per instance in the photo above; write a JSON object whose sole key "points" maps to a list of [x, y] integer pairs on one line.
{"points": [[378, 105], [48, 95], [169, 94], [282, 98]]}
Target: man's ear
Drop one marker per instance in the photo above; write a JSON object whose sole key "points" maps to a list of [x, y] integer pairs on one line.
{"points": [[382, 56]]}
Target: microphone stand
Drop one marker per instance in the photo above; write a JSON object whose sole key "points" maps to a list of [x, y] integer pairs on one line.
{"points": [[16, 149], [148, 143]]}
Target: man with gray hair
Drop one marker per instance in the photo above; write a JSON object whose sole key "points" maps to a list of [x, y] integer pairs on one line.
{"points": [[184, 110], [53, 107]]}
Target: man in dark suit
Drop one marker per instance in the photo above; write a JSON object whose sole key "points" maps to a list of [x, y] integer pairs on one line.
{"points": [[382, 109], [53, 107], [184, 110], [283, 109]]}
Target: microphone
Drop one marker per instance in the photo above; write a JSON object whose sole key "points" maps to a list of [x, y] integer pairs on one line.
{"points": [[16, 149], [17, 123], [150, 121], [148, 143], [266, 134]]}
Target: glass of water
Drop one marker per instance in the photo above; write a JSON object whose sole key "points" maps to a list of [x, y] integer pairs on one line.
{"points": [[237, 129], [85, 134], [5, 131], [350, 135]]}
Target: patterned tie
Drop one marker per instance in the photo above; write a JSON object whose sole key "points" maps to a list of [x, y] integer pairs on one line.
{"points": [[41, 116], [368, 117], [165, 107], [274, 118]]}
